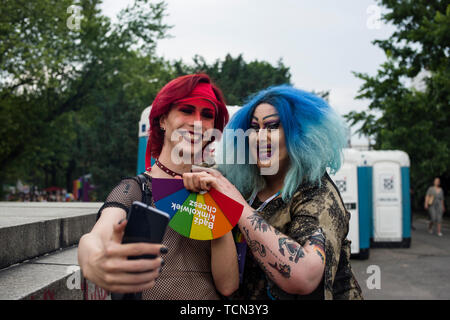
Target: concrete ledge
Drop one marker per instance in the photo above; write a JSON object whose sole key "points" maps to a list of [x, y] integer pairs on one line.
{"points": [[28, 230], [54, 276]]}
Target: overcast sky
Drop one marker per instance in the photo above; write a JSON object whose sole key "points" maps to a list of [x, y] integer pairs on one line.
{"points": [[321, 41]]}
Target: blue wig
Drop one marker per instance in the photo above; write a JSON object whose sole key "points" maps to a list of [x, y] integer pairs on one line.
{"points": [[315, 136]]}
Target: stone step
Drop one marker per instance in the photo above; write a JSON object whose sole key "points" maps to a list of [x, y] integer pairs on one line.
{"points": [[54, 276], [31, 229]]}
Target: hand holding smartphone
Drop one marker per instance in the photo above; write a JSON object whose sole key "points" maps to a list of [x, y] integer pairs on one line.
{"points": [[145, 224]]}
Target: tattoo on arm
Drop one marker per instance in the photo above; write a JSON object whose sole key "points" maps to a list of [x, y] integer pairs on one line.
{"points": [[317, 240], [283, 269], [264, 269], [294, 250], [255, 245], [259, 223]]}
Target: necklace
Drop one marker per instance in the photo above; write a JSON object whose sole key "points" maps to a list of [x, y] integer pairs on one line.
{"points": [[167, 170], [265, 203]]}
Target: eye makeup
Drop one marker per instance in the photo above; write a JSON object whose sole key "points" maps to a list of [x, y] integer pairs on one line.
{"points": [[272, 124], [208, 113], [205, 112], [186, 109]]}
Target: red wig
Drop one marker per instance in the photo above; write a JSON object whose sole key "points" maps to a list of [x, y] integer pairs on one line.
{"points": [[175, 90]]}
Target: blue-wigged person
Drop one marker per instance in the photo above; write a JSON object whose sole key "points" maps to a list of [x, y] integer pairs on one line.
{"points": [[294, 223]]}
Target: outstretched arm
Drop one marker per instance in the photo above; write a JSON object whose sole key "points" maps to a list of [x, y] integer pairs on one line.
{"points": [[103, 258]]}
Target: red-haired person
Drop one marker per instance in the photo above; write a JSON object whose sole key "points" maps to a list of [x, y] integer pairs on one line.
{"points": [[184, 268]]}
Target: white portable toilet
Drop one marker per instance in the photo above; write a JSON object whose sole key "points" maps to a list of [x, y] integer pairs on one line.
{"points": [[346, 181], [390, 197]]}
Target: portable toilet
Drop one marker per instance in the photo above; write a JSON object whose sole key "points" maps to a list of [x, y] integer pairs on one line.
{"points": [[364, 206], [391, 207], [144, 125], [348, 183]]}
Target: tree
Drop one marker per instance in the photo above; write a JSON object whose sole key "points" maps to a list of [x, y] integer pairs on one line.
{"points": [[56, 83], [71, 99], [236, 78], [109, 144], [400, 116]]}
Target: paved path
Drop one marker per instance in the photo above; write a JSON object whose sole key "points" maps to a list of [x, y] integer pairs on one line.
{"points": [[420, 272]]}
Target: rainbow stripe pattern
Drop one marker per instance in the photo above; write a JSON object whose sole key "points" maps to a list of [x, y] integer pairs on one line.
{"points": [[200, 216]]}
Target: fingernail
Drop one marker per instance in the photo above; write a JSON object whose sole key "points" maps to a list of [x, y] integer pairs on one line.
{"points": [[162, 262], [163, 250]]}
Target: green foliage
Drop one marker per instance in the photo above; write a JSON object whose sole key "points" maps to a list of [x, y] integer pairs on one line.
{"points": [[399, 116], [236, 78], [70, 100], [58, 85]]}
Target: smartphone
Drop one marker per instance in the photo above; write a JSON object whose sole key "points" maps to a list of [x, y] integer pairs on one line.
{"points": [[145, 224]]}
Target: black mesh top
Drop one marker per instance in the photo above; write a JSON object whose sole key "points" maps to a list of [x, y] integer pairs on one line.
{"points": [[123, 195], [186, 274]]}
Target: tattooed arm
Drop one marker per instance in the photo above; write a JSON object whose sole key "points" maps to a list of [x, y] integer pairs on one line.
{"points": [[294, 268]]}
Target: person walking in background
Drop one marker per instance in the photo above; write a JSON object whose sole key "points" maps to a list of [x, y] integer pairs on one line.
{"points": [[434, 203]]}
